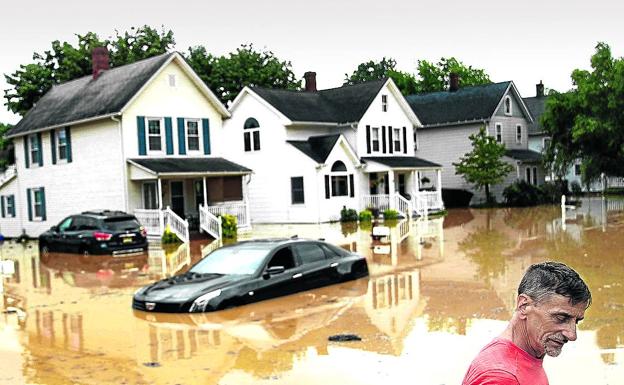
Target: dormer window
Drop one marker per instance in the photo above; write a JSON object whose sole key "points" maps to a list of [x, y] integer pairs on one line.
{"points": [[518, 134], [384, 103], [508, 110], [251, 135]]}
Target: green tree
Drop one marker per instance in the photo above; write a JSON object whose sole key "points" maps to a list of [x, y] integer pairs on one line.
{"points": [[227, 75], [5, 145], [587, 122], [64, 61], [483, 166], [385, 68]]}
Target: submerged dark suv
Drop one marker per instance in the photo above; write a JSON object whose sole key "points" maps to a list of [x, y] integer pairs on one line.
{"points": [[95, 232]]}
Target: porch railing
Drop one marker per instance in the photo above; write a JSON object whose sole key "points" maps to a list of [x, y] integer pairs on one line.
{"points": [[614, 181], [425, 201], [8, 174], [379, 201], [403, 206], [210, 223], [239, 209], [152, 220], [178, 226]]}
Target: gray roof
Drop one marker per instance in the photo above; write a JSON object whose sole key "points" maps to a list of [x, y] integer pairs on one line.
{"points": [[402, 161], [87, 98], [344, 104], [526, 156], [464, 105], [316, 147], [190, 165], [536, 105]]}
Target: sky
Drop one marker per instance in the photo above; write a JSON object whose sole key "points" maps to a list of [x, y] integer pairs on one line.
{"points": [[525, 41]]}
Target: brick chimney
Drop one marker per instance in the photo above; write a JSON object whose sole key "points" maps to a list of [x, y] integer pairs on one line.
{"points": [[454, 82], [99, 58], [539, 89], [310, 81]]}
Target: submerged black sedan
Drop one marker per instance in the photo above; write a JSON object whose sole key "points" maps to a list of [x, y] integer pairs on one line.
{"points": [[251, 271]]}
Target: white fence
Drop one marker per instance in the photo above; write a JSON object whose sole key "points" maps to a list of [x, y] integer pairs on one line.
{"points": [[178, 226], [210, 223], [239, 209], [379, 201], [403, 206], [155, 222]]}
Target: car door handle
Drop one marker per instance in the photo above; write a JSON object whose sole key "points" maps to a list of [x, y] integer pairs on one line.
{"points": [[298, 275], [334, 264]]}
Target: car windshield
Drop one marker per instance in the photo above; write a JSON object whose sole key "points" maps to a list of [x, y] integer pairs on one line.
{"points": [[121, 223], [242, 259]]}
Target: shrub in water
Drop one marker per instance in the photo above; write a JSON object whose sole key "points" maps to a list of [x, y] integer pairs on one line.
{"points": [[366, 216], [229, 226], [521, 193], [348, 215], [169, 236], [552, 191], [576, 188], [390, 214]]}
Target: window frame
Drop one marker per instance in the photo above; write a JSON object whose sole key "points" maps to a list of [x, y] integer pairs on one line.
{"points": [[187, 135], [577, 169], [498, 132], [64, 146], [528, 174], [375, 130], [507, 106], [384, 103], [294, 191], [9, 205], [518, 134], [161, 126], [336, 177], [253, 135], [396, 139], [32, 139], [37, 191], [143, 198]]}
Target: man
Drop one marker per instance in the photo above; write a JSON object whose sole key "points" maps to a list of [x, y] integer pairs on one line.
{"points": [[552, 299]]}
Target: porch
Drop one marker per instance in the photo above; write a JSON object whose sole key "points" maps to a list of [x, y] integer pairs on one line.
{"points": [[409, 185], [188, 195]]}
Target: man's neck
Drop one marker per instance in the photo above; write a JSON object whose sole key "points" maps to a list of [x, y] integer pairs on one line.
{"points": [[516, 332]]}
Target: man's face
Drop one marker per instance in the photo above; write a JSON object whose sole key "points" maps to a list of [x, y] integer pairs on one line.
{"points": [[551, 323]]}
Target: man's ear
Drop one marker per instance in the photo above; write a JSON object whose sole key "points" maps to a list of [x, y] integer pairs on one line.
{"points": [[522, 304]]}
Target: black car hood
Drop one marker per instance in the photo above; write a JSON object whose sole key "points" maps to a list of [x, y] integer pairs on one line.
{"points": [[186, 287]]}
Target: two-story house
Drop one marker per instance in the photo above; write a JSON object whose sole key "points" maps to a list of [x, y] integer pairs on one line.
{"points": [[314, 152], [137, 138], [450, 117]]}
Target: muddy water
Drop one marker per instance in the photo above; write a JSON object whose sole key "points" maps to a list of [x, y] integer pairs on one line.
{"points": [[438, 291]]}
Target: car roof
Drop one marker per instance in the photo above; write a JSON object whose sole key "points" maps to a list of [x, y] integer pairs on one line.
{"points": [[106, 213], [272, 242]]}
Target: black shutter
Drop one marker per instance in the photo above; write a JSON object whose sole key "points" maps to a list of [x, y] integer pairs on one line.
{"points": [[26, 160], [368, 142], [351, 186], [327, 192], [29, 201], [206, 136], [12, 200], [43, 204], [383, 139], [141, 135], [390, 142], [53, 145], [39, 141], [68, 144], [404, 140], [181, 137], [2, 205], [168, 136]]}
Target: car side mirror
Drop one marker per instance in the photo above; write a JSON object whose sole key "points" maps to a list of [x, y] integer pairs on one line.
{"points": [[54, 229], [273, 270]]}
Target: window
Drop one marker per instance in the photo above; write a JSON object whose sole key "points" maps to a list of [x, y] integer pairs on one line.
{"points": [[528, 175], [192, 135], [499, 133], [384, 103], [154, 135], [396, 139], [309, 253], [65, 224], [339, 182], [283, 257], [8, 205], [577, 169], [535, 176], [518, 134], [35, 149], [251, 135], [150, 196], [508, 110], [61, 144], [36, 204], [375, 139], [296, 190]]}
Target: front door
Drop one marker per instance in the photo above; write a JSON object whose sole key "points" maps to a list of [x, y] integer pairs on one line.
{"points": [[177, 198]]}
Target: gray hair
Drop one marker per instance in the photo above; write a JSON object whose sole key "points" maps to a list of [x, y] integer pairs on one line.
{"points": [[542, 280]]}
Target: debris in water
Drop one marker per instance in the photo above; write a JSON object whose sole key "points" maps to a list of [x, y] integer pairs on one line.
{"points": [[151, 364], [344, 338]]}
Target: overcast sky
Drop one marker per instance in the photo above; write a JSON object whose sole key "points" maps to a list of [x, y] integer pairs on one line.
{"points": [[525, 41]]}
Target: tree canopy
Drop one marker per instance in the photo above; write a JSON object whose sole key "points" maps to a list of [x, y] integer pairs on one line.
{"points": [[5, 146], [587, 123], [64, 61], [483, 166], [430, 77], [227, 75]]}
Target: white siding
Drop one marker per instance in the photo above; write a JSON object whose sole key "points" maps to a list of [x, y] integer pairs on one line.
{"points": [[93, 180], [11, 227]]}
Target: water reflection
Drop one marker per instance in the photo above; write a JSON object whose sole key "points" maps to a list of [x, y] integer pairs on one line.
{"points": [[435, 284]]}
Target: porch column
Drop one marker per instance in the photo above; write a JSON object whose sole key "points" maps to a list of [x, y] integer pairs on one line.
{"points": [[391, 188], [205, 190], [439, 186], [160, 205]]}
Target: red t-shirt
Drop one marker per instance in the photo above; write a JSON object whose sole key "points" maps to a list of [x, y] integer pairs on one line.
{"points": [[501, 362]]}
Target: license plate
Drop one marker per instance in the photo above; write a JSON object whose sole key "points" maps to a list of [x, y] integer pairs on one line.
{"points": [[126, 240]]}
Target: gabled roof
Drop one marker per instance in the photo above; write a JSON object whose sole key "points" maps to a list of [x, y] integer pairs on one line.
{"points": [[467, 104], [189, 165], [316, 147], [527, 156], [86, 99], [346, 104], [402, 162], [537, 106]]}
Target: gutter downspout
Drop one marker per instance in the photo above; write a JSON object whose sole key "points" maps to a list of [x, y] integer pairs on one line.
{"points": [[124, 167]]}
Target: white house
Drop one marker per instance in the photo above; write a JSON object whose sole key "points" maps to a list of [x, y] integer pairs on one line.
{"points": [[137, 138], [450, 117], [315, 152]]}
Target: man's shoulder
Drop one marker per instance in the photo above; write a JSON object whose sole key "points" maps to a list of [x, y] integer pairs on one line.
{"points": [[491, 377], [495, 364]]}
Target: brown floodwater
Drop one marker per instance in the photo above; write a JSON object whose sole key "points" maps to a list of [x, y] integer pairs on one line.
{"points": [[439, 290]]}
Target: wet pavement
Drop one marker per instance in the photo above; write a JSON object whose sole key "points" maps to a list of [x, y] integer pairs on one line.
{"points": [[439, 290]]}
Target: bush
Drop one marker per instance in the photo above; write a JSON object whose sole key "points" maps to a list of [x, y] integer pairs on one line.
{"points": [[453, 197], [348, 215], [390, 214], [552, 191], [576, 188], [169, 236], [521, 193], [366, 216], [229, 226]]}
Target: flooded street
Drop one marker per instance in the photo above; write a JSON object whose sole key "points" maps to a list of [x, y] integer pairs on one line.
{"points": [[439, 290]]}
